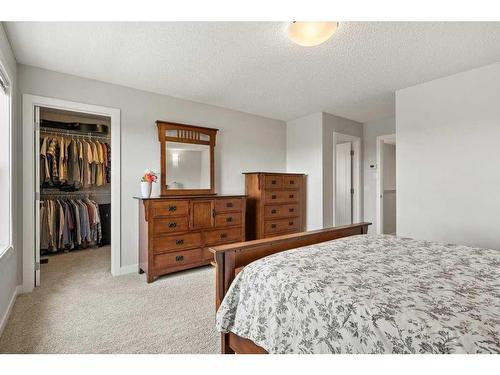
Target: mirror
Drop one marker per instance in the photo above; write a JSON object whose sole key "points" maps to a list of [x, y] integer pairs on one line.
{"points": [[187, 159], [188, 166]]}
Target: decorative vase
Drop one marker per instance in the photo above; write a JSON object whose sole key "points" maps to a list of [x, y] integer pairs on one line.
{"points": [[146, 189]]}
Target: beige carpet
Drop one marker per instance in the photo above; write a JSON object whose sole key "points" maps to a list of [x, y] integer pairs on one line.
{"points": [[81, 308]]}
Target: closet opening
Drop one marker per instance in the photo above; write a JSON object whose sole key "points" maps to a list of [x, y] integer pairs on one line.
{"points": [[386, 184], [73, 192]]}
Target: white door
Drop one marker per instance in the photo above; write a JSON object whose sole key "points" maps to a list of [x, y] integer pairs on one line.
{"points": [[37, 196], [343, 191]]}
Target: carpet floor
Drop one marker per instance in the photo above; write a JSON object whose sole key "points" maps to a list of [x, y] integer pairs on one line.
{"points": [[81, 308]]}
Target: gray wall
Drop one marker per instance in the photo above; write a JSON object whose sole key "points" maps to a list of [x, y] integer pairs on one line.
{"points": [[240, 135], [371, 131], [10, 262], [310, 151], [304, 155], [448, 159]]}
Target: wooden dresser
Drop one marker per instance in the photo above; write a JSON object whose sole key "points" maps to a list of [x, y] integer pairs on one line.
{"points": [[276, 204], [176, 231]]}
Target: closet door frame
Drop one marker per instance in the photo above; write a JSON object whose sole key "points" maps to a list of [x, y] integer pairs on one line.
{"points": [[355, 174], [36, 142], [31, 179]]}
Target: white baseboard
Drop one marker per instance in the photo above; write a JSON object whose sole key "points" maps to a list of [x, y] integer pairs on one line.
{"points": [[129, 269], [6, 315]]}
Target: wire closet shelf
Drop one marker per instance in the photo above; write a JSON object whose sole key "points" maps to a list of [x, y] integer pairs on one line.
{"points": [[75, 133], [72, 194]]}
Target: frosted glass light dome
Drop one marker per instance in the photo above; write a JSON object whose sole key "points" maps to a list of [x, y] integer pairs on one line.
{"points": [[308, 34]]}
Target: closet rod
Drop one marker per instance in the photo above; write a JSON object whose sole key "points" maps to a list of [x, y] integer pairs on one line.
{"points": [[74, 133], [75, 193]]}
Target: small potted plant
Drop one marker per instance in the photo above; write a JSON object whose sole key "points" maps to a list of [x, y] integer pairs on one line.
{"points": [[146, 182]]}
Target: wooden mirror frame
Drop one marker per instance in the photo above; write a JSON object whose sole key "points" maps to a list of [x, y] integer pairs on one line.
{"points": [[185, 134]]}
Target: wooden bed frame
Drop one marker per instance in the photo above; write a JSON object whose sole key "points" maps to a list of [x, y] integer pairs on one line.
{"points": [[230, 259]]}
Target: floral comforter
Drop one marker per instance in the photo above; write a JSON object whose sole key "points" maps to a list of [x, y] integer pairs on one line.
{"points": [[369, 294]]}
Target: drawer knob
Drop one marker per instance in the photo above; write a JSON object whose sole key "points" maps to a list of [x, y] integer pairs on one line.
{"points": [[179, 258], [223, 235], [273, 226], [273, 182], [172, 208], [290, 196], [273, 196], [172, 224], [179, 242], [229, 205], [290, 223], [273, 211], [229, 219], [291, 210], [292, 182]]}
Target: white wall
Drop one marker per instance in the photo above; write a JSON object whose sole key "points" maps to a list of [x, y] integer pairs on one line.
{"points": [[334, 124], [10, 262], [304, 155], [448, 159], [371, 131], [245, 142]]}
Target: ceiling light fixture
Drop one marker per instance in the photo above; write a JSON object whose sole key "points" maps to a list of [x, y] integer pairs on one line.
{"points": [[308, 34]]}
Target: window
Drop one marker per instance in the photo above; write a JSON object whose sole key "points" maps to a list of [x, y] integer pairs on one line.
{"points": [[5, 165]]}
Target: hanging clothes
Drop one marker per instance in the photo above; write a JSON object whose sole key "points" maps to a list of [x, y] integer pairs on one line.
{"points": [[67, 224], [70, 163]]}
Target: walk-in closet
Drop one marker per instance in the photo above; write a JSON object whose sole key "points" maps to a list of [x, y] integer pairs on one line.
{"points": [[74, 188]]}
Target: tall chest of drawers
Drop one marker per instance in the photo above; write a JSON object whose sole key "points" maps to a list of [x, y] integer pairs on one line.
{"points": [[175, 232], [276, 204]]}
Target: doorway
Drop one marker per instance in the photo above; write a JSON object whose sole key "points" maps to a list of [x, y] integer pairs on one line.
{"points": [[346, 179], [386, 184], [64, 114]]}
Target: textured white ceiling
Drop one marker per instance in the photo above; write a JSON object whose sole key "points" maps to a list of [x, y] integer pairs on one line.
{"points": [[253, 67]]}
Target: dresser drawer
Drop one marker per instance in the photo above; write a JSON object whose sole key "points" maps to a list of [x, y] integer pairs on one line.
{"points": [[227, 219], [169, 208], [291, 182], [176, 242], [170, 225], [280, 196], [228, 205], [221, 236], [281, 226], [273, 181], [281, 211], [178, 258]]}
